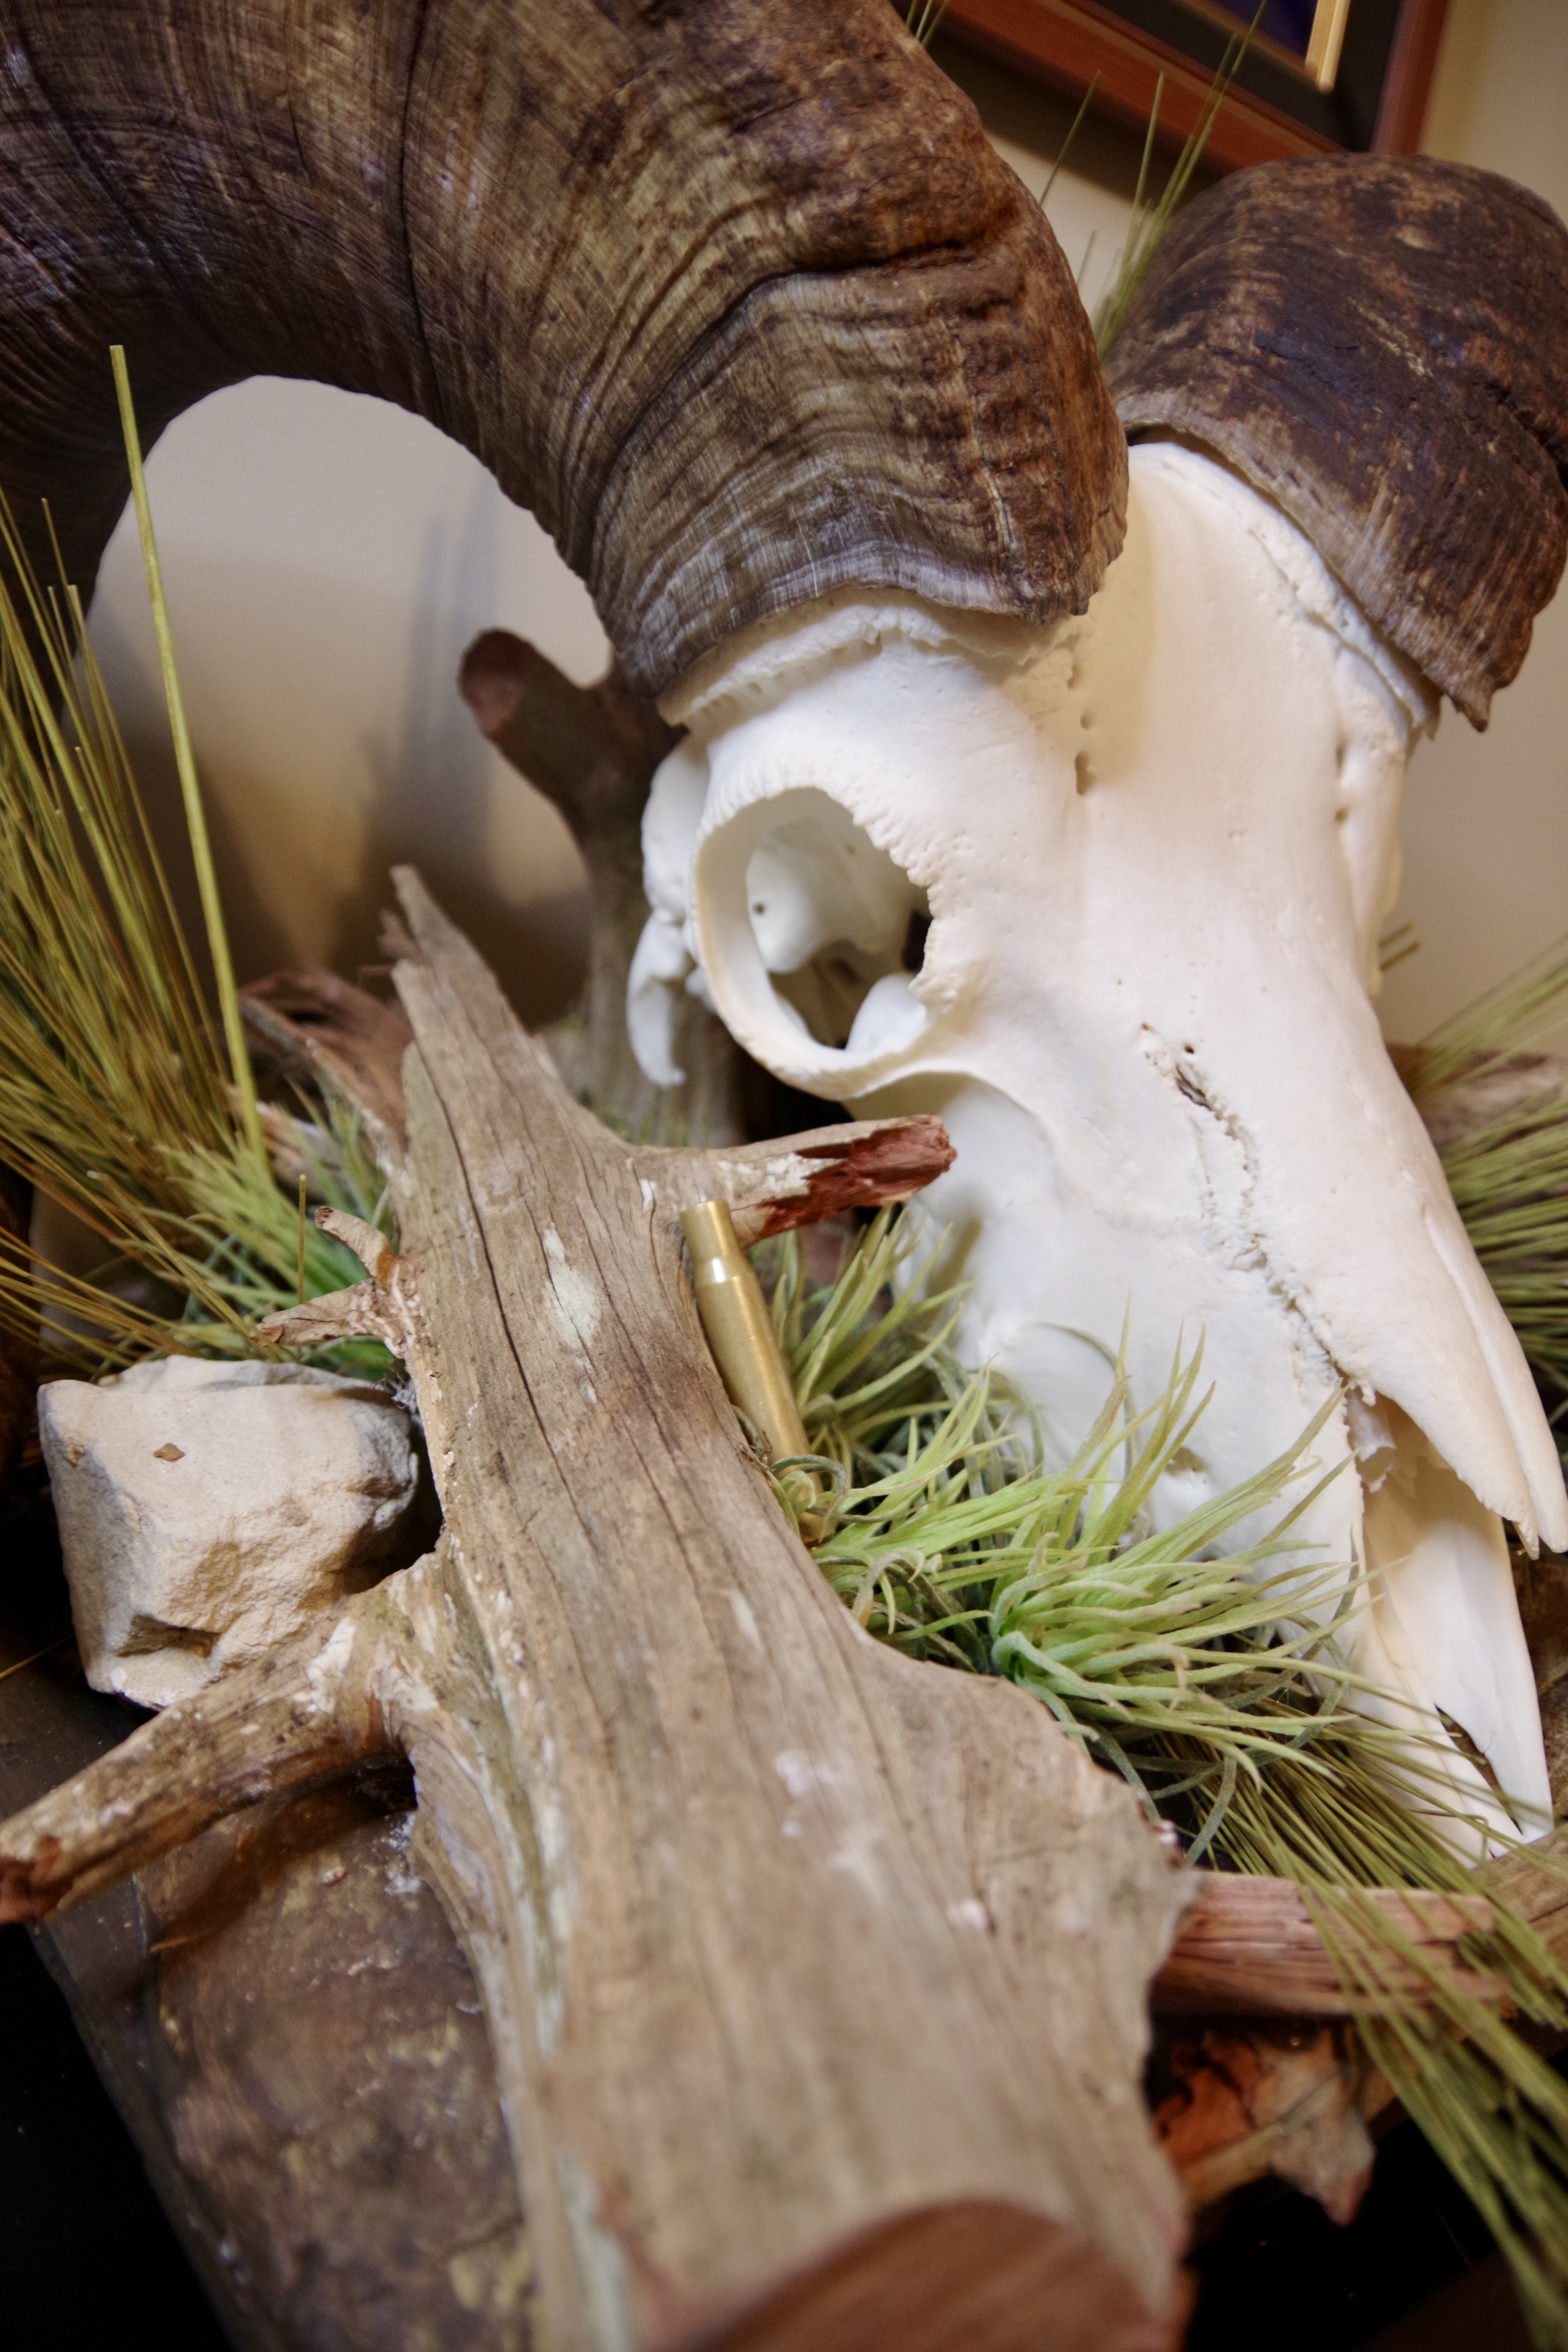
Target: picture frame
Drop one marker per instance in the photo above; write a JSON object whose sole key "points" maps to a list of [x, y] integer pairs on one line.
{"points": [[1320, 76]]}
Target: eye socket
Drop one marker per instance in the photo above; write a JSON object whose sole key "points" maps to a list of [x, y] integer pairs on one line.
{"points": [[832, 916]]}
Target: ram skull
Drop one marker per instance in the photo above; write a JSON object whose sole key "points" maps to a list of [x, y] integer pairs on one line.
{"points": [[1106, 895]]}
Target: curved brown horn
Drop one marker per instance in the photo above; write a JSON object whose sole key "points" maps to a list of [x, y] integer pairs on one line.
{"points": [[1380, 343], [736, 296]]}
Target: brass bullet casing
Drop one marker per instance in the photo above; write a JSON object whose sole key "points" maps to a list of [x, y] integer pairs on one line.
{"points": [[740, 1330]]}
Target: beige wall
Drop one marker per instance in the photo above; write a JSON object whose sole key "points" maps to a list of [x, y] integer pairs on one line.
{"points": [[1486, 831], [1486, 818], [328, 558]]}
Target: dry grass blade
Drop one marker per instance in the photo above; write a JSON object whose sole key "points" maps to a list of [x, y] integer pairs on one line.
{"points": [[185, 761], [115, 1099], [923, 19], [1150, 222]]}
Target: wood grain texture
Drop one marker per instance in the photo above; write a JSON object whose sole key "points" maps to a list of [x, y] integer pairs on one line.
{"points": [[738, 299], [1380, 343], [804, 1180], [721, 1864], [783, 1939], [1286, 2096], [1249, 1946], [322, 1030], [747, 1848]]}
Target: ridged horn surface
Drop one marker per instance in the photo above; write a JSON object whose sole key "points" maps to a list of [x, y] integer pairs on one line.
{"points": [[1380, 343], [736, 297]]}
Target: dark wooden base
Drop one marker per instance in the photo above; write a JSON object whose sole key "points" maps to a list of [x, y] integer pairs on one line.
{"points": [[286, 2023]]}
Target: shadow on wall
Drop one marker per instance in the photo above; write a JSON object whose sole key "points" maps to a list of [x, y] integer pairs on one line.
{"points": [[440, 795], [327, 560]]}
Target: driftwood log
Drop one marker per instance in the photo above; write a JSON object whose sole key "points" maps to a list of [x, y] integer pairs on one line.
{"points": [[249, 2059], [815, 1978]]}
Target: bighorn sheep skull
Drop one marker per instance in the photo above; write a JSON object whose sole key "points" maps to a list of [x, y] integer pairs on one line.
{"points": [[1106, 895]]}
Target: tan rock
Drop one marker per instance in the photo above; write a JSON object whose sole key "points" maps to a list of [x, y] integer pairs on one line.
{"points": [[208, 1510]]}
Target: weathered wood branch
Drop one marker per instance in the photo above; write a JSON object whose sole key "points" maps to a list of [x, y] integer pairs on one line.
{"points": [[1249, 1947], [319, 1027], [773, 1188], [593, 751], [1292, 2096], [722, 1863], [301, 1717], [1243, 1946], [679, 1809], [770, 1188]]}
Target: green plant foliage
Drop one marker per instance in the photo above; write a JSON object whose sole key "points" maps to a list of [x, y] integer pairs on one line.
{"points": [[1204, 1675], [115, 1098]]}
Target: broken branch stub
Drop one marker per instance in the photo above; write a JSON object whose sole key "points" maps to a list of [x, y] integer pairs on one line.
{"points": [[324, 1029], [785, 1940], [1251, 1947], [592, 751]]}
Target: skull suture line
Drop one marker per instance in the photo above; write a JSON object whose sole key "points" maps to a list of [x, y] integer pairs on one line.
{"points": [[1156, 846]]}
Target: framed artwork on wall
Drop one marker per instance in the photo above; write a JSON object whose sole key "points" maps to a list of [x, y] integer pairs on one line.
{"points": [[1319, 75]]}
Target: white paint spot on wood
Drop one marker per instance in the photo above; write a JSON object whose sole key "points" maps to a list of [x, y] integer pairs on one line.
{"points": [[856, 1857], [578, 1306], [798, 1773]]}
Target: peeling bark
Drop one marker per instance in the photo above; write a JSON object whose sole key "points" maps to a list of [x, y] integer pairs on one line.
{"points": [[1284, 2097]]}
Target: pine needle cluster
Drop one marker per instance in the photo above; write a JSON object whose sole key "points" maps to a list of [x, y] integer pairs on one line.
{"points": [[116, 1099]]}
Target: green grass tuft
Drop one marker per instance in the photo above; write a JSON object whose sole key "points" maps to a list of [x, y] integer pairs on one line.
{"points": [[116, 1097], [1203, 1677]]}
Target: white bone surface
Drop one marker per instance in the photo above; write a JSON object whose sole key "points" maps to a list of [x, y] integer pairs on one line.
{"points": [[208, 1510], [1156, 845]]}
